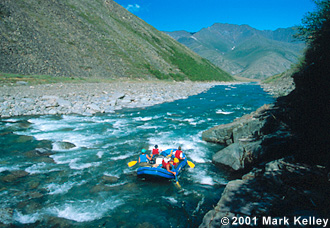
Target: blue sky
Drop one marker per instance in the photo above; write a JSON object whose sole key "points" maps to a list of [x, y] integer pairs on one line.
{"points": [[193, 15]]}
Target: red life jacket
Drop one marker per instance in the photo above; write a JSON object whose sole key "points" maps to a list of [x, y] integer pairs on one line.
{"points": [[165, 164], [155, 151], [177, 154]]}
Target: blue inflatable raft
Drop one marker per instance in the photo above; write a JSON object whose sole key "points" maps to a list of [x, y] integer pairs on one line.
{"points": [[157, 172]]}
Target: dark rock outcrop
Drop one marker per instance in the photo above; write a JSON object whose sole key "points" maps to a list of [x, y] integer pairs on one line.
{"points": [[249, 139], [282, 188]]}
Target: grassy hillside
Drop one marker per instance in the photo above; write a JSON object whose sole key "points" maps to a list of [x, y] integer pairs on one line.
{"points": [[244, 51], [92, 38]]}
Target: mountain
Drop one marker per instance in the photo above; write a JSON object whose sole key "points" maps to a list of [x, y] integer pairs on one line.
{"points": [[92, 38], [244, 51]]}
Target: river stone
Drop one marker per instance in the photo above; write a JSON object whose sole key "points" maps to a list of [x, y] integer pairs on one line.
{"points": [[64, 145], [94, 107], [231, 156], [44, 151], [14, 175], [6, 215], [110, 179], [117, 96], [24, 139], [35, 195], [100, 188], [145, 225], [62, 102], [34, 184], [21, 83]]}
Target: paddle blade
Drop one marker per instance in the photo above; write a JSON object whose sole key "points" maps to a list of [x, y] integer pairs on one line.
{"points": [[176, 160], [132, 163], [191, 165], [177, 184]]}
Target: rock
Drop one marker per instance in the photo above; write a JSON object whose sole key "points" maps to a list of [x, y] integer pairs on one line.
{"points": [[247, 128], [34, 184], [145, 225], [47, 97], [109, 109], [6, 215], [280, 188], [63, 145], [24, 139], [118, 96], [100, 188], [231, 156], [110, 179], [35, 195], [14, 175], [21, 83], [64, 103]]}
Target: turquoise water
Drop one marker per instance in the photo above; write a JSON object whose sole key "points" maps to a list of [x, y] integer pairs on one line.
{"points": [[91, 185]]}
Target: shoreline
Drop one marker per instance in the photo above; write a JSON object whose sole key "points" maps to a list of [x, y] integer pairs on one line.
{"points": [[91, 98]]}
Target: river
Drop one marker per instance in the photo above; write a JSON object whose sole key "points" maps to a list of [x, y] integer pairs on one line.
{"points": [[71, 170]]}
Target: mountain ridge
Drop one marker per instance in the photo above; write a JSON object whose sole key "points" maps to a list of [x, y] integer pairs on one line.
{"points": [[92, 39], [244, 51]]}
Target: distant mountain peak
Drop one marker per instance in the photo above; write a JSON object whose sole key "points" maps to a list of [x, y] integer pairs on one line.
{"points": [[243, 50]]}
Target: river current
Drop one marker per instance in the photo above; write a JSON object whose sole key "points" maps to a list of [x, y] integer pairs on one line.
{"points": [[71, 170]]}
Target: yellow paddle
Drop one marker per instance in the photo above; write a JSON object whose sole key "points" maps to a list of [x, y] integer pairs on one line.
{"points": [[191, 165], [176, 179], [132, 163]]}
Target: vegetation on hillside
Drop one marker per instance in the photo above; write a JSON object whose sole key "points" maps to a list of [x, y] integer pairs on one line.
{"points": [[309, 102], [243, 50], [94, 39]]}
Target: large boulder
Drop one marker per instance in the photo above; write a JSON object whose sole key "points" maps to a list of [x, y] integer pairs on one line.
{"points": [[282, 187], [239, 156], [248, 127]]}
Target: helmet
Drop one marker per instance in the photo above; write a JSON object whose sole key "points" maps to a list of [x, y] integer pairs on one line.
{"points": [[156, 146], [167, 159], [143, 150], [179, 148]]}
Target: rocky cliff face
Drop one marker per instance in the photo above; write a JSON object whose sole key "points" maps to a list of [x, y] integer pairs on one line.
{"points": [[98, 38], [250, 139], [281, 178]]}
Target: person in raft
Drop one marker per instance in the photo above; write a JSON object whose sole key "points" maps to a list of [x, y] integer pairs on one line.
{"points": [[179, 154], [155, 152], [167, 164], [144, 158]]}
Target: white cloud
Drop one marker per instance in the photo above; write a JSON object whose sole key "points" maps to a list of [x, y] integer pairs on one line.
{"points": [[133, 7]]}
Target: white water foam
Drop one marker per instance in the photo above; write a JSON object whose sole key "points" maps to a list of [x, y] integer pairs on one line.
{"points": [[25, 219], [142, 118], [55, 188], [80, 166], [202, 177], [122, 157], [84, 211], [9, 168], [100, 154], [171, 200], [219, 111], [40, 168], [147, 126]]}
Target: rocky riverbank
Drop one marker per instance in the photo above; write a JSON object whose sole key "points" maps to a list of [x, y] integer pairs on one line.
{"points": [[274, 182], [281, 188], [91, 98]]}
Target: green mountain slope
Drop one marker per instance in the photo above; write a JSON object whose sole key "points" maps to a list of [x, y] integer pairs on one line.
{"points": [[92, 38], [243, 50]]}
